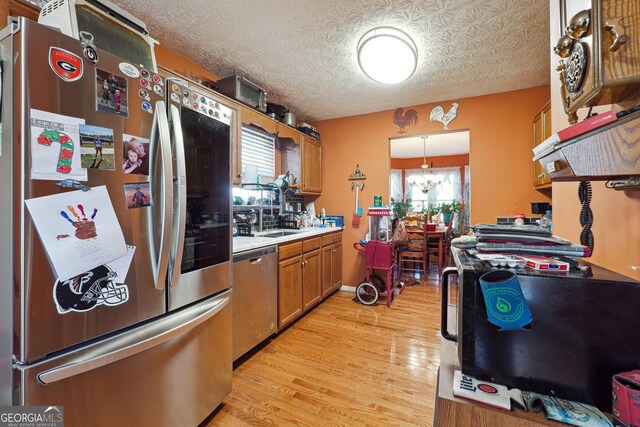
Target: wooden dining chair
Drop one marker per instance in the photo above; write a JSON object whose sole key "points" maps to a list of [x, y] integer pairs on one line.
{"points": [[432, 246], [411, 257]]}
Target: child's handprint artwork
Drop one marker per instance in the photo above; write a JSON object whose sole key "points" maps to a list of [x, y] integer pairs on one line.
{"points": [[79, 230], [85, 228]]}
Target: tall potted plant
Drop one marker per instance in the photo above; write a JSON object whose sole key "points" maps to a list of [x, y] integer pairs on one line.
{"points": [[447, 209], [401, 208]]}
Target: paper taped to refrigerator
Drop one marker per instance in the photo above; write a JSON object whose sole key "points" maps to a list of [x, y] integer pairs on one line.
{"points": [[79, 230], [55, 146], [121, 265]]}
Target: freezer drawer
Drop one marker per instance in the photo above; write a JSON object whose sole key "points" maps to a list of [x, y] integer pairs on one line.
{"points": [[255, 298], [172, 371]]}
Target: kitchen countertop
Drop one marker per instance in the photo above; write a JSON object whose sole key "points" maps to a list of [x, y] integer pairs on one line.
{"points": [[243, 243]]}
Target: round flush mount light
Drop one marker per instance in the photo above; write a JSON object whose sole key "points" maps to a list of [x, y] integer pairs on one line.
{"points": [[387, 55]]}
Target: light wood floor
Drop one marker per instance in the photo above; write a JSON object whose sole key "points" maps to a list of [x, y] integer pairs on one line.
{"points": [[344, 364]]}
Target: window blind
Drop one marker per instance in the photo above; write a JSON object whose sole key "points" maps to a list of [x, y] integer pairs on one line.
{"points": [[258, 148]]}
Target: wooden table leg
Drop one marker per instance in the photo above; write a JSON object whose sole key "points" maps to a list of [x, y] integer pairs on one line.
{"points": [[441, 255]]}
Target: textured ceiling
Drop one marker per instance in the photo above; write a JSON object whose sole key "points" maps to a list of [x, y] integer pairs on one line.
{"points": [[303, 52], [440, 144]]}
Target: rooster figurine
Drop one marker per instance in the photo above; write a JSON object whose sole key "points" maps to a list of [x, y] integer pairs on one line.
{"points": [[437, 114], [409, 118]]}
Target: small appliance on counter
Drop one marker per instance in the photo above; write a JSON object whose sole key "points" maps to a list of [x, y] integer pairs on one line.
{"points": [[583, 331]]}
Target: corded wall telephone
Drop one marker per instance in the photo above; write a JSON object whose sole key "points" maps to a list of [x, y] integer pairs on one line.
{"points": [[599, 48]]}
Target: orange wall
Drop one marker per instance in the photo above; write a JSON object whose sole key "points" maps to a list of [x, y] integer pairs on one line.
{"points": [[183, 66], [501, 138], [438, 162]]}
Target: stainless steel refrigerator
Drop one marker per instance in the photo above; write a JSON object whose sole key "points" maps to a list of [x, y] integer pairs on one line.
{"points": [[156, 348]]}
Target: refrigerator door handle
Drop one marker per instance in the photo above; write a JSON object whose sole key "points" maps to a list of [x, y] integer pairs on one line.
{"points": [[161, 126], [107, 357], [179, 222]]}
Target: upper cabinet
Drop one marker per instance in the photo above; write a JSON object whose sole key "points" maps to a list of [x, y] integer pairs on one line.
{"points": [[541, 131], [249, 115], [311, 166], [301, 155]]}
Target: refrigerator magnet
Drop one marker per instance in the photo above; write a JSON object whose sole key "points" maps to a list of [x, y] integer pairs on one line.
{"points": [[144, 95], [66, 65], [89, 290], [135, 155], [129, 70], [137, 195], [96, 148], [111, 93], [88, 47]]}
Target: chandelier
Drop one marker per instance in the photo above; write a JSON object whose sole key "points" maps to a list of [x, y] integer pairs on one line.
{"points": [[427, 181]]}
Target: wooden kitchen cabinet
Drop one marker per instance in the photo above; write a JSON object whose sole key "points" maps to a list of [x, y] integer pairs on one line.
{"points": [[311, 279], [309, 270], [249, 115], [311, 165], [289, 290], [336, 266], [302, 156], [331, 263], [18, 8], [541, 131]]}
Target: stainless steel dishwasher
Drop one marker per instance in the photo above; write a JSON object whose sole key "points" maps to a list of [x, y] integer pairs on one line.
{"points": [[255, 298]]}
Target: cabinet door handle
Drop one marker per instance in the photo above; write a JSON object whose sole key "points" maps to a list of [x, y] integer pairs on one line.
{"points": [[541, 175], [239, 175]]}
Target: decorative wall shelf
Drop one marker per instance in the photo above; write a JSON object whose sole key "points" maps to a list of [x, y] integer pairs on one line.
{"points": [[611, 152]]}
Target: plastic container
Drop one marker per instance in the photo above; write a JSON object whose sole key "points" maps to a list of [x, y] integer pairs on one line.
{"points": [[546, 221], [518, 219]]}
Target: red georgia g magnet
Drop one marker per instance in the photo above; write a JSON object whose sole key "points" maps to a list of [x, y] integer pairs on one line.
{"points": [[67, 65]]}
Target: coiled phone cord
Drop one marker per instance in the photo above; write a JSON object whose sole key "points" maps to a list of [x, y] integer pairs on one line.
{"points": [[586, 215]]}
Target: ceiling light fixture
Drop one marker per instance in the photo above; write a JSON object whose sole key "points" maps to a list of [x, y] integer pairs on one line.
{"points": [[387, 55], [426, 182]]}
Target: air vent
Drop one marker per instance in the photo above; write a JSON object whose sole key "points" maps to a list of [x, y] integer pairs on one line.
{"points": [[51, 6]]}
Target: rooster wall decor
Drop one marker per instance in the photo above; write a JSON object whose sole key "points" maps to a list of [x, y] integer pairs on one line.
{"points": [[437, 114], [410, 118]]}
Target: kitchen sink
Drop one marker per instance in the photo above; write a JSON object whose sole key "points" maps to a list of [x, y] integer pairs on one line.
{"points": [[280, 233]]}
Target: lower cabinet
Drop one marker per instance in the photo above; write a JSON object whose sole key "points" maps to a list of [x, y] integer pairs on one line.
{"points": [[331, 268], [308, 271], [289, 290], [336, 265], [311, 279]]}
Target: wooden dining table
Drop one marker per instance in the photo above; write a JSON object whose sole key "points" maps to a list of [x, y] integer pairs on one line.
{"points": [[438, 233]]}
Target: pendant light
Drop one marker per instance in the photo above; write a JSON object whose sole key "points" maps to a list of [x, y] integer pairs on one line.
{"points": [[427, 181]]}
